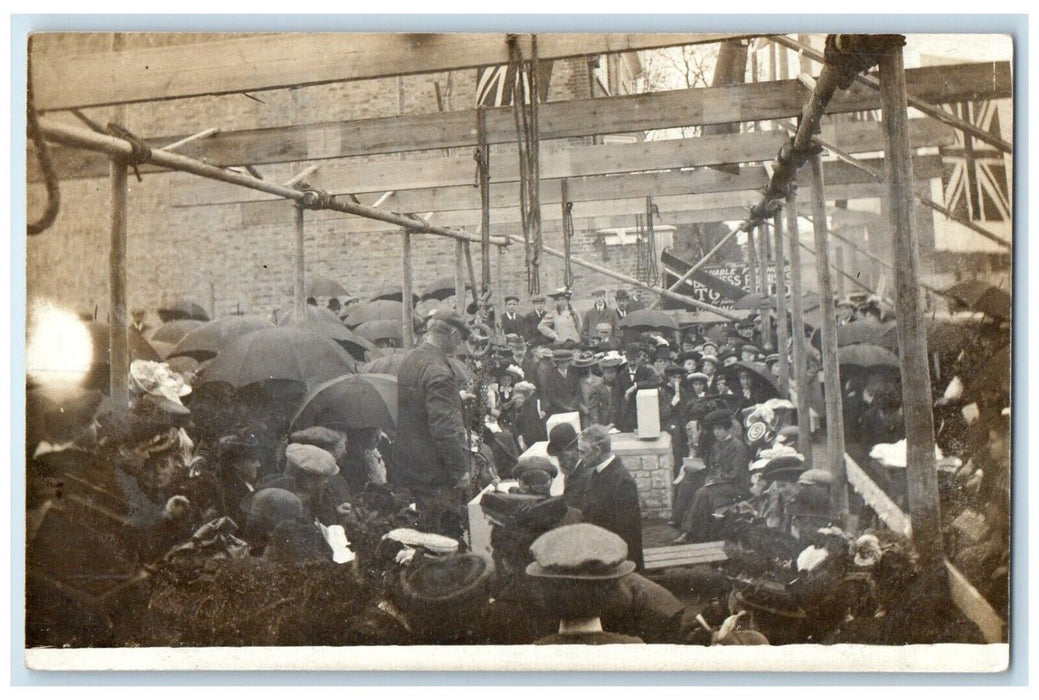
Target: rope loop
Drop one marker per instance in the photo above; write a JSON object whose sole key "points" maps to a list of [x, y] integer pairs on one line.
{"points": [[140, 152], [314, 198]]}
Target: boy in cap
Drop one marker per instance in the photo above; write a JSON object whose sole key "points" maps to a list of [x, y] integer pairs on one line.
{"points": [[511, 320], [562, 324], [533, 320], [576, 568], [599, 313]]}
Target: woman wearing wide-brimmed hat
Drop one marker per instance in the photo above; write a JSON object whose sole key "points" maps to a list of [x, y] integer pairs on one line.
{"points": [[594, 400]]}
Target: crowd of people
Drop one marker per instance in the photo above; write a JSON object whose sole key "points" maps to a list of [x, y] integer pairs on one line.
{"points": [[209, 475]]}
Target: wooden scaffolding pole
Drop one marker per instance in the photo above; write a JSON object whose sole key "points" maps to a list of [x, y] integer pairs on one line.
{"points": [[407, 310], [312, 199], [459, 277], [752, 260], [118, 318], [804, 420], [299, 298], [781, 311], [831, 368], [483, 161], [922, 477], [838, 261]]}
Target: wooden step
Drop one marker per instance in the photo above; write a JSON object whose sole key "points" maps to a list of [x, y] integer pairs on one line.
{"points": [[684, 555]]}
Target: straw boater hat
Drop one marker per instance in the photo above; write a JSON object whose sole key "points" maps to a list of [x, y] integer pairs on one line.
{"points": [[698, 377], [584, 358]]}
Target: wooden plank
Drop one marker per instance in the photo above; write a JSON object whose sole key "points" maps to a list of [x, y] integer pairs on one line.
{"points": [[675, 558], [606, 187], [556, 120], [727, 203], [456, 171], [250, 62], [713, 546], [876, 498]]}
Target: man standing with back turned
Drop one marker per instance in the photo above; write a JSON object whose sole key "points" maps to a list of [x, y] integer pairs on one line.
{"points": [[431, 453]]}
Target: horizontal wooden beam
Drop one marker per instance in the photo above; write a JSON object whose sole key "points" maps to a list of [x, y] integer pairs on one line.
{"points": [[569, 119], [598, 188], [735, 203], [247, 63], [578, 161]]}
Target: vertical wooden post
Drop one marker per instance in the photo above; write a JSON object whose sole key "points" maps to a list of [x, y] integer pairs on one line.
{"points": [[472, 273], [766, 315], [922, 477], [831, 370], [407, 309], [118, 318], [781, 326], [752, 260], [838, 261], [484, 154], [300, 296], [459, 277], [804, 420]]}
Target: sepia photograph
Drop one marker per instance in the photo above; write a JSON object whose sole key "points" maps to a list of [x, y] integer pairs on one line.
{"points": [[401, 351]]}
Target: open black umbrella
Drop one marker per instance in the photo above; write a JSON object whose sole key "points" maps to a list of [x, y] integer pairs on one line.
{"points": [[387, 362], [982, 297], [173, 331], [393, 292], [864, 331], [294, 354], [321, 286], [943, 335], [351, 401], [358, 346], [182, 309], [373, 311], [385, 329], [207, 340], [867, 357], [441, 288], [760, 373], [649, 320]]}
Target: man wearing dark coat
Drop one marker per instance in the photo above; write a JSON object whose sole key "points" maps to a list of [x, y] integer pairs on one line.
{"points": [[511, 320], [530, 332], [629, 380], [611, 498], [561, 389], [599, 313], [430, 452]]}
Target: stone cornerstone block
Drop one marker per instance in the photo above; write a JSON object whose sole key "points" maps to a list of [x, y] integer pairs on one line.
{"points": [[650, 463]]}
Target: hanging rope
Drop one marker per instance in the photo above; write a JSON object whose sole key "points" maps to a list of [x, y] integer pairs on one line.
{"points": [[50, 178], [568, 234], [482, 156], [652, 270], [140, 151], [526, 122]]}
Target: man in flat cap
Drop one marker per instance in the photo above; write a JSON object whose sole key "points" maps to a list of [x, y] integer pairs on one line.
{"points": [[533, 320], [562, 324], [560, 387], [599, 313], [611, 498], [511, 320], [431, 452]]}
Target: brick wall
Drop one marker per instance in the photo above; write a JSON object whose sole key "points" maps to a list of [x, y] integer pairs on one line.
{"points": [[206, 253]]}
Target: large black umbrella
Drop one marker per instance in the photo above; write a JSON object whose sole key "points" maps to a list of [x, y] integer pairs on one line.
{"points": [[388, 361], [207, 340], [182, 309], [982, 297], [293, 354], [867, 357], [173, 331], [373, 311], [358, 346], [441, 288], [943, 335], [759, 371], [393, 292], [385, 329], [351, 401], [863, 331], [649, 320], [287, 317], [321, 286]]}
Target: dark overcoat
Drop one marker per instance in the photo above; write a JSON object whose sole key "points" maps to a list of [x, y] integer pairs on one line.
{"points": [[611, 500]]}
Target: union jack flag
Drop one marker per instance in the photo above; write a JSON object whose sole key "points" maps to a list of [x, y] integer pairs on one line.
{"points": [[495, 84], [976, 183]]}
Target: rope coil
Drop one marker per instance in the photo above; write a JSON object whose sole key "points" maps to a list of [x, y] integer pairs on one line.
{"points": [[526, 122], [50, 212]]}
